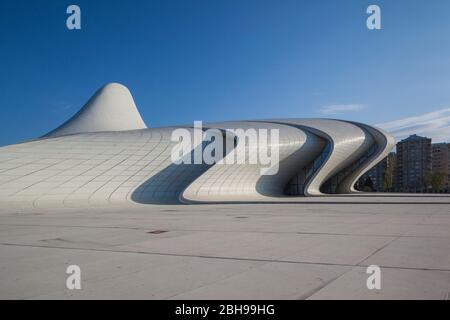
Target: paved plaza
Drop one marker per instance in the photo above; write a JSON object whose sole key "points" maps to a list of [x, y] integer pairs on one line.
{"points": [[316, 248]]}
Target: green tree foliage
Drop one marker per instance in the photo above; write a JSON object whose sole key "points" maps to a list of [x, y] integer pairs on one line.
{"points": [[368, 185], [435, 180]]}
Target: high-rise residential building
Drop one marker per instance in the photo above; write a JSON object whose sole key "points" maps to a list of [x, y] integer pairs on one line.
{"points": [[441, 163], [413, 162]]}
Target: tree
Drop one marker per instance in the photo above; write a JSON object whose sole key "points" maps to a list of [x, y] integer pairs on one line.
{"points": [[435, 180], [368, 185]]}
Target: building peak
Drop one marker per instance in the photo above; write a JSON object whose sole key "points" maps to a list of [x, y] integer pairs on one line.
{"points": [[111, 108]]}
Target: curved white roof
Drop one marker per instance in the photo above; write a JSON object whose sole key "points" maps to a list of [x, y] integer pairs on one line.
{"points": [[348, 142], [105, 155]]}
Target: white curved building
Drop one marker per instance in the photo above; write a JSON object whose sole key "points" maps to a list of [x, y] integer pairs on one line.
{"points": [[106, 155]]}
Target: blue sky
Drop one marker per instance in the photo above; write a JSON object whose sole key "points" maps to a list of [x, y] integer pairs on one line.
{"points": [[213, 60]]}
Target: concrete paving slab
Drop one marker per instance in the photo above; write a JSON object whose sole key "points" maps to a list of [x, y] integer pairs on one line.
{"points": [[271, 281], [231, 251], [396, 284], [414, 252]]}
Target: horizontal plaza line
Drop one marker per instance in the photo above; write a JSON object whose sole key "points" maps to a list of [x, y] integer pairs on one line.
{"points": [[218, 258], [241, 231]]}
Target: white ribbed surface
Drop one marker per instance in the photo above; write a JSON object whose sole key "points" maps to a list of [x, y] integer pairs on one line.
{"points": [[105, 155], [112, 108], [384, 142], [118, 167], [93, 169], [348, 142], [233, 182]]}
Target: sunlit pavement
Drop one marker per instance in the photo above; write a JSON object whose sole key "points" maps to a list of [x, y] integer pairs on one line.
{"points": [[230, 251]]}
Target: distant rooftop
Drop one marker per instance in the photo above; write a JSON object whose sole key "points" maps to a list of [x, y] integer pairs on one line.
{"points": [[415, 137]]}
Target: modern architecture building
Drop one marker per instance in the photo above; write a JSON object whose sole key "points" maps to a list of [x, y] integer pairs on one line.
{"points": [[106, 155], [381, 176], [413, 162]]}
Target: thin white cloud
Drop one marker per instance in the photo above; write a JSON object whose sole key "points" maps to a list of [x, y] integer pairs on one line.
{"points": [[341, 108], [435, 125]]}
